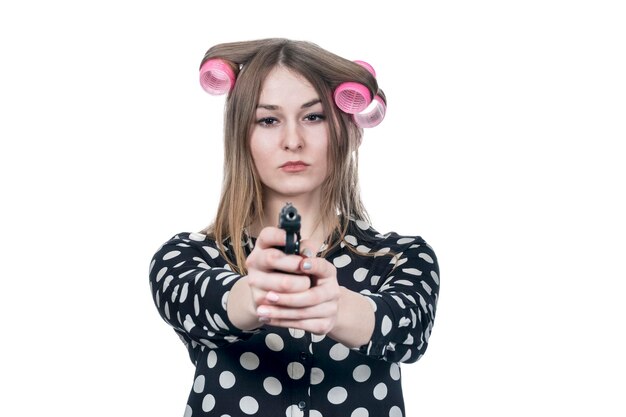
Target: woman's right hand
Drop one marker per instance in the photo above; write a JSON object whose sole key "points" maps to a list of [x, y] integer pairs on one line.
{"points": [[270, 271]]}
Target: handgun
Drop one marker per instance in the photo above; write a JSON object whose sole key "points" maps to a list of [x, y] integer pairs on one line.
{"points": [[289, 220]]}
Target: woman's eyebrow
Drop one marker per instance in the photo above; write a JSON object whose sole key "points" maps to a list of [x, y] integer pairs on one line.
{"points": [[311, 103], [276, 107]]}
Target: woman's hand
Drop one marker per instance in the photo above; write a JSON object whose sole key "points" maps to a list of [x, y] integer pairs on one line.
{"points": [[313, 309], [270, 272], [300, 292]]}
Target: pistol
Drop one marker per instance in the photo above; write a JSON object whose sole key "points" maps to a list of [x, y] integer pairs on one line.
{"points": [[289, 220]]}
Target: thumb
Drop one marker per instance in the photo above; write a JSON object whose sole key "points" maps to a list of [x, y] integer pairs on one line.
{"points": [[308, 249]]}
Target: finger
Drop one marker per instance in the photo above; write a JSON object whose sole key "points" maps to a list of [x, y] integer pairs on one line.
{"points": [[279, 283], [301, 299], [308, 249], [277, 313], [315, 326], [273, 259], [271, 237], [318, 267]]}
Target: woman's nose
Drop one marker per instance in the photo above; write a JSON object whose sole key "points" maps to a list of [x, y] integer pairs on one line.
{"points": [[292, 137]]}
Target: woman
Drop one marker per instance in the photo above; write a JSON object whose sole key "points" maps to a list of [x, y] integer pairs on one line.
{"points": [[317, 334]]}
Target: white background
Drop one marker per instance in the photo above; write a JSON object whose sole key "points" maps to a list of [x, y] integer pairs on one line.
{"points": [[502, 147]]}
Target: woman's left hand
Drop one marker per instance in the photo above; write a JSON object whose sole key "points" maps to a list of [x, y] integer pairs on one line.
{"points": [[314, 310]]}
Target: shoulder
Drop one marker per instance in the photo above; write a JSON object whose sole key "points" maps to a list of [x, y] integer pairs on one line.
{"points": [[189, 244], [366, 239]]}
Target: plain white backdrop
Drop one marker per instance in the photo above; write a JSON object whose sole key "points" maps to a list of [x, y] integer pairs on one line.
{"points": [[503, 148]]}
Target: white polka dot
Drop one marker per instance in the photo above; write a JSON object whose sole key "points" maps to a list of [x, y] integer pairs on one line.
{"points": [[295, 370], [361, 373], [315, 338], [225, 299], [227, 379], [171, 254], [401, 261], [375, 280], [296, 333], [272, 385], [249, 361], [360, 274], [249, 405], [362, 224], [198, 384], [208, 403], [360, 412], [188, 412], [198, 237], [404, 321], [203, 287], [405, 240], [161, 273], [351, 240], [339, 352], [185, 291], [412, 271], [426, 257], [385, 328], [342, 261], [337, 395], [294, 411], [363, 249], [435, 277], [317, 376], [219, 321], [211, 359], [380, 391], [315, 413], [382, 251], [274, 342], [166, 283], [213, 253], [394, 371], [395, 411]]}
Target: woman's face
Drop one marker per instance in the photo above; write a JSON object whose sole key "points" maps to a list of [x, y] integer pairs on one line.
{"points": [[289, 138]]}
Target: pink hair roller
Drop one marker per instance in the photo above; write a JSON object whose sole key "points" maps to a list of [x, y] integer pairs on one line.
{"points": [[217, 77], [354, 98], [372, 115]]}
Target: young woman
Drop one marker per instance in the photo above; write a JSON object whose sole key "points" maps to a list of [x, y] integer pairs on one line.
{"points": [[316, 334]]}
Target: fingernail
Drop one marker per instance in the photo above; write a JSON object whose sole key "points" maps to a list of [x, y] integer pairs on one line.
{"points": [[307, 253], [272, 296], [264, 319], [306, 265], [262, 311]]}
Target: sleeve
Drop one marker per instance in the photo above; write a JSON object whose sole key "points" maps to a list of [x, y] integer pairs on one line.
{"points": [[190, 283], [405, 305]]}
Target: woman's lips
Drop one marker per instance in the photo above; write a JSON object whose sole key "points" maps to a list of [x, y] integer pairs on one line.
{"points": [[294, 166]]}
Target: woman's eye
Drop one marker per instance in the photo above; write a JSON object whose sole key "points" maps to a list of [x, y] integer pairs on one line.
{"points": [[267, 121], [315, 117]]}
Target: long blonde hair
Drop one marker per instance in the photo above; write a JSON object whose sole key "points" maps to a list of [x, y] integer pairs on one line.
{"points": [[241, 198]]}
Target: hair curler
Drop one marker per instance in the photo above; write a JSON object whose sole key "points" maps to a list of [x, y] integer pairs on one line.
{"points": [[352, 97], [372, 115], [355, 98], [217, 76]]}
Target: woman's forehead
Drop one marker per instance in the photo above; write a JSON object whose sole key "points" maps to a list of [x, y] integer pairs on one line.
{"points": [[287, 86]]}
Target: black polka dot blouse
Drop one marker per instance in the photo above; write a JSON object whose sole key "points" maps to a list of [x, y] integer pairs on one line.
{"points": [[273, 371]]}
